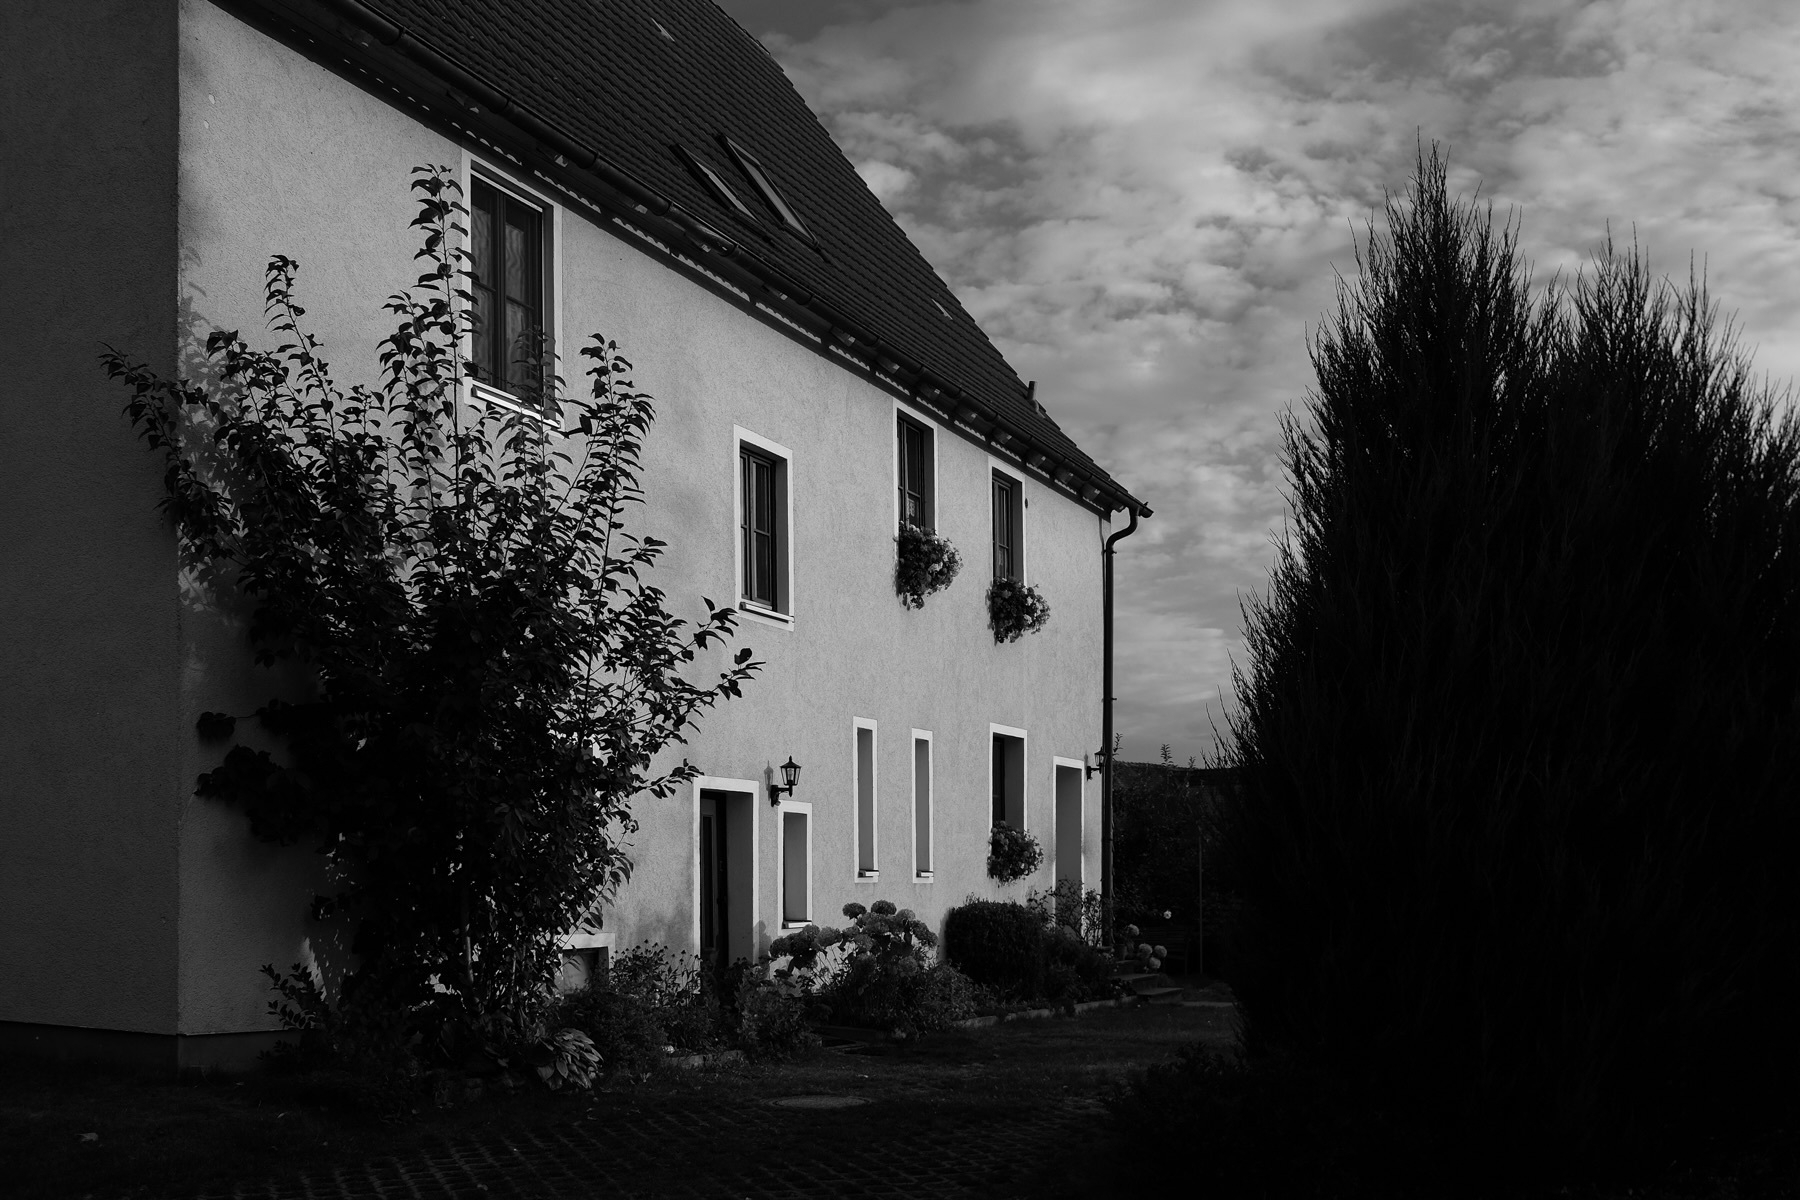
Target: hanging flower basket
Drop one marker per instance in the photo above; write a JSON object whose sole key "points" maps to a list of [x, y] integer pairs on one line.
{"points": [[1012, 853], [926, 563], [1015, 609]]}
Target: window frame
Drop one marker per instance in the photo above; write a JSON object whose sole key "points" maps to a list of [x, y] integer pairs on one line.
{"points": [[995, 731], [859, 823], [1059, 764], [925, 873], [781, 614], [1018, 505], [804, 809], [550, 230], [904, 420]]}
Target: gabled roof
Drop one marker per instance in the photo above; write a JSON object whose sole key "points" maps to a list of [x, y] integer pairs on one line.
{"points": [[615, 86]]}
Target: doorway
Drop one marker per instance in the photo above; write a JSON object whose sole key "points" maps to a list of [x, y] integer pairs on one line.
{"points": [[726, 870]]}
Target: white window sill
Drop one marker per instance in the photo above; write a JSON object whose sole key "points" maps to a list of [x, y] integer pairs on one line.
{"points": [[868, 876], [484, 393], [765, 616], [795, 924], [923, 876]]}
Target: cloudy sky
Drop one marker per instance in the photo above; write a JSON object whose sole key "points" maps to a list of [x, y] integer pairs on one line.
{"points": [[1143, 202]]}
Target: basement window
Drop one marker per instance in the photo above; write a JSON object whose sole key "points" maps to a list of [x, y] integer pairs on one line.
{"points": [[759, 177]]}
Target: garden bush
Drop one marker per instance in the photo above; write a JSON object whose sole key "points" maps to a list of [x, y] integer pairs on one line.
{"points": [[772, 1016], [890, 979], [679, 994], [1515, 825], [999, 945], [1074, 971], [624, 1029], [489, 671]]}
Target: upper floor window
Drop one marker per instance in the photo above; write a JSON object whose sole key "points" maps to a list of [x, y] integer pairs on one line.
{"points": [[914, 473], [765, 527], [757, 525], [1009, 528], [508, 249]]}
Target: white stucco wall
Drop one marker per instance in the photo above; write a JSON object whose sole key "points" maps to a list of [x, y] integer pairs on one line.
{"points": [[276, 154]]}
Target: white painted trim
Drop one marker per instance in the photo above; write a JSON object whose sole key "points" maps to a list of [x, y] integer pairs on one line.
{"points": [[777, 618], [1014, 473], [758, 798], [1024, 773], [931, 799], [857, 725], [804, 807]]}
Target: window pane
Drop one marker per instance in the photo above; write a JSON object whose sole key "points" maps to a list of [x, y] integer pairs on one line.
{"points": [[517, 268], [865, 800], [1003, 531], [921, 804], [999, 774], [795, 869], [759, 528], [746, 478], [481, 266]]}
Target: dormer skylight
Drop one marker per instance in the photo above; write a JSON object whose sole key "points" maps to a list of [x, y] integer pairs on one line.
{"points": [[715, 184], [759, 177]]}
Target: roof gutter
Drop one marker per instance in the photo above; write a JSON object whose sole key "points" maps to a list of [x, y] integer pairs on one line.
{"points": [[1107, 883]]}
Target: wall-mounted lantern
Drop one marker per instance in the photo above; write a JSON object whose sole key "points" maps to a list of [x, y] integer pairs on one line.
{"points": [[790, 775]]}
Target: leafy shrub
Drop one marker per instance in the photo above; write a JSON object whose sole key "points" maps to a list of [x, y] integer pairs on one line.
{"points": [[926, 563], [492, 671], [805, 950], [1067, 906], [772, 1017], [1012, 853], [1015, 609], [1074, 971], [998, 945], [1515, 826], [569, 1058], [651, 973], [889, 979], [623, 1029]]}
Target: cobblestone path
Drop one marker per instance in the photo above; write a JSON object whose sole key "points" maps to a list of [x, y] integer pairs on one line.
{"points": [[663, 1149]]}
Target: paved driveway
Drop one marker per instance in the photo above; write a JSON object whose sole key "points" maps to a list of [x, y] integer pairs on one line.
{"points": [[980, 1114]]}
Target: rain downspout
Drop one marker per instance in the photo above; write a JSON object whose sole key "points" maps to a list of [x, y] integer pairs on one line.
{"points": [[1106, 718]]}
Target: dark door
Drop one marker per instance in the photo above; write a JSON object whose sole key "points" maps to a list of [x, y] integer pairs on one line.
{"points": [[715, 891]]}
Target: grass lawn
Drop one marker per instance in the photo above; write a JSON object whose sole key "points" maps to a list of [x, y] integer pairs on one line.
{"points": [[161, 1138]]}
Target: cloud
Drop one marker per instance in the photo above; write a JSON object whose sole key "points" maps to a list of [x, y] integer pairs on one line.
{"points": [[1144, 202]]}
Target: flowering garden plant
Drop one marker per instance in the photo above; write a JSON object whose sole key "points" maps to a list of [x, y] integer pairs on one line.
{"points": [[1015, 609], [1012, 853], [926, 562]]}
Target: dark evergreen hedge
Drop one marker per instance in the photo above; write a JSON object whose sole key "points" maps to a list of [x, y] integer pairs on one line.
{"points": [[1517, 829]]}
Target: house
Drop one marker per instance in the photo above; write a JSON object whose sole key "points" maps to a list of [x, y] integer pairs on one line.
{"points": [[660, 182]]}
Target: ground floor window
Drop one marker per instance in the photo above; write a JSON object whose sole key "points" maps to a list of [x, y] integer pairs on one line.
{"points": [[796, 863], [921, 804]]}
